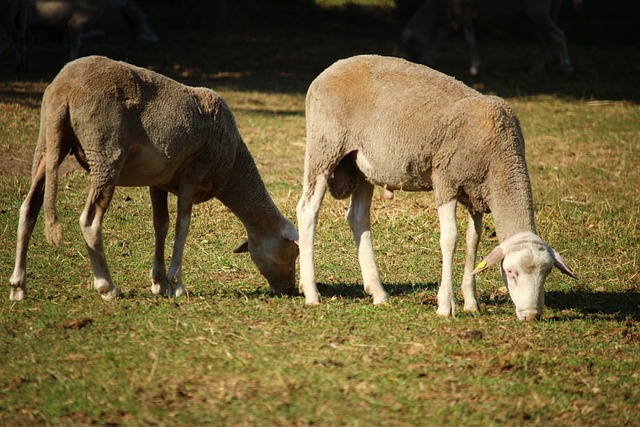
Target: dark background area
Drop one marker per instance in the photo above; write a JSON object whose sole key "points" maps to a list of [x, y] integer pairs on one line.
{"points": [[281, 45]]}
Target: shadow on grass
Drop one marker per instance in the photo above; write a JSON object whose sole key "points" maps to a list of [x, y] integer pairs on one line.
{"points": [[348, 291], [356, 290], [620, 306], [29, 98], [265, 112]]}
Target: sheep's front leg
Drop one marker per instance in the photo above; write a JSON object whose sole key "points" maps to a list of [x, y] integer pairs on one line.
{"points": [[307, 212], [91, 226], [359, 217], [185, 205], [469, 294], [448, 236], [28, 216], [159, 282]]}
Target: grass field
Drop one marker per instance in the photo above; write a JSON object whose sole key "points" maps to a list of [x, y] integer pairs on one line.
{"points": [[232, 354]]}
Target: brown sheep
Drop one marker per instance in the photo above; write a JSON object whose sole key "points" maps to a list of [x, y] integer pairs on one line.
{"points": [[129, 126]]}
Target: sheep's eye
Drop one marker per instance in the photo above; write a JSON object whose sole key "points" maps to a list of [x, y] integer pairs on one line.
{"points": [[509, 272]]}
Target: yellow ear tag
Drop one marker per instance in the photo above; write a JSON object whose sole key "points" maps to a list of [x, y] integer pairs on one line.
{"points": [[482, 265]]}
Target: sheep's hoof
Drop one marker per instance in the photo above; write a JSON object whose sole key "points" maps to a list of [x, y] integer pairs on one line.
{"points": [[380, 299], [473, 307], [445, 311], [178, 290], [448, 315], [17, 293], [158, 288], [111, 294], [312, 300]]}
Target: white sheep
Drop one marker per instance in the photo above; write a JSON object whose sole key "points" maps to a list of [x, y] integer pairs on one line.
{"points": [[375, 120], [129, 126]]}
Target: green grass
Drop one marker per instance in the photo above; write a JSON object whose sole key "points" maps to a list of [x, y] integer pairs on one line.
{"points": [[232, 354]]}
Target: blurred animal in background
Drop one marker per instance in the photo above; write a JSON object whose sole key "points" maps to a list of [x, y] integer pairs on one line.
{"points": [[75, 19], [435, 19], [13, 27]]}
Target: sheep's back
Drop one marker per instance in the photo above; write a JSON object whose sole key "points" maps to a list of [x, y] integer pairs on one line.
{"points": [[410, 125], [117, 108], [107, 97], [373, 97]]}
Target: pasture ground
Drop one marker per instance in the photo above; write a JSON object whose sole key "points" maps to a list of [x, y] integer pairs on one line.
{"points": [[231, 354]]}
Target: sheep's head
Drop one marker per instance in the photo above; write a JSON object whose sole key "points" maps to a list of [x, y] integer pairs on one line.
{"points": [[275, 256], [525, 262]]}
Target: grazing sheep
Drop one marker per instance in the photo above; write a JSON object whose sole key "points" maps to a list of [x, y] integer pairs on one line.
{"points": [[374, 120], [129, 126], [432, 21]]}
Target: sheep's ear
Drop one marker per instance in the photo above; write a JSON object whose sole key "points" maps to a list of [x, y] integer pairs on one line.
{"points": [[494, 257], [559, 263], [244, 247]]}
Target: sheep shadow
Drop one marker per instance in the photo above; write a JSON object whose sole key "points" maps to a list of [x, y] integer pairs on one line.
{"points": [[619, 306], [356, 290], [353, 291], [615, 305]]}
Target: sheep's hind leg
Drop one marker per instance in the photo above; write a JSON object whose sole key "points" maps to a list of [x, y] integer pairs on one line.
{"points": [[159, 281], [28, 216], [185, 205], [307, 212], [359, 216], [448, 236], [91, 226], [469, 294]]}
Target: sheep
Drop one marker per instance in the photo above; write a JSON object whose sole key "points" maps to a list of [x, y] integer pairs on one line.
{"points": [[374, 120], [429, 25], [129, 126]]}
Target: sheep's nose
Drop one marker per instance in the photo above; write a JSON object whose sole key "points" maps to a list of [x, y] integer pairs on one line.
{"points": [[530, 317]]}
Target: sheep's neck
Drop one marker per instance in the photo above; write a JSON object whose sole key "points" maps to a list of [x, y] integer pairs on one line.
{"points": [[247, 197], [511, 203]]}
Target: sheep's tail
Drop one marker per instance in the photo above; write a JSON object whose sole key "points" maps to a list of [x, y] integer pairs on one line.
{"points": [[50, 140]]}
